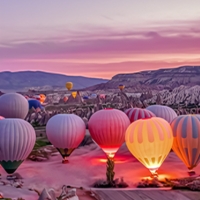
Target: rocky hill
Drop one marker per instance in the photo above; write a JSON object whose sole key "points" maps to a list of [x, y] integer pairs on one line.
{"points": [[43, 81], [154, 80]]}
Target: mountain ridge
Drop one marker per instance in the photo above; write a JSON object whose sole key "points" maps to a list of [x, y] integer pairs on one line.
{"points": [[27, 79], [167, 78]]}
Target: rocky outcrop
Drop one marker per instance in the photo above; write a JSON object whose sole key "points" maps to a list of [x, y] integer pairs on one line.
{"points": [[154, 80]]}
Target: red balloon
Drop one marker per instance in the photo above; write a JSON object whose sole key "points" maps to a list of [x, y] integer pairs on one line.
{"points": [[107, 128], [138, 113]]}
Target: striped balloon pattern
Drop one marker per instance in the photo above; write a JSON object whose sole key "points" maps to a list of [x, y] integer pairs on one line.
{"points": [[150, 141], [17, 141], [107, 128], [138, 113], [186, 132], [13, 105], [164, 112], [65, 132]]}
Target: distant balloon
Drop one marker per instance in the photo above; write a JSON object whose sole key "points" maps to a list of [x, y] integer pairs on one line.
{"points": [[74, 94], [42, 98], [69, 85], [33, 103], [17, 141], [65, 99], [13, 105], [2, 117], [164, 112], [85, 97], [150, 141], [65, 132], [186, 131], [138, 113], [102, 96], [107, 128], [121, 87]]}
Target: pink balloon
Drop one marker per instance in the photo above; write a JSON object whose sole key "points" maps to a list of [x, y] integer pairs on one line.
{"points": [[1, 117], [107, 128], [138, 113]]}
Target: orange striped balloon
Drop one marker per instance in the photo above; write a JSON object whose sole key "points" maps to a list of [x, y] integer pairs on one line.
{"points": [[150, 141], [186, 132]]}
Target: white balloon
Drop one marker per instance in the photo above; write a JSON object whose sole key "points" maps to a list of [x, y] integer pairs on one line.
{"points": [[65, 131], [17, 139], [164, 112], [13, 105]]}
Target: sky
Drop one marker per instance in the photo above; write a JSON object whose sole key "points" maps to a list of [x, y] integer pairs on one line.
{"points": [[98, 38]]}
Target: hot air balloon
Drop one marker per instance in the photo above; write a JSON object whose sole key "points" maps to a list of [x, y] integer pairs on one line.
{"points": [[42, 98], [74, 94], [107, 128], [150, 141], [186, 145], [138, 113], [65, 132], [17, 141], [164, 112], [13, 105], [65, 99], [121, 87], [35, 105], [69, 85]]}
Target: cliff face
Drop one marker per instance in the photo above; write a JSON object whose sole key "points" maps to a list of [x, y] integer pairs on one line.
{"points": [[154, 80]]}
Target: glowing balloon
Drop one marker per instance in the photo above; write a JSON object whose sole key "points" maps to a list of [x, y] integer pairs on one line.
{"points": [[65, 132], [13, 105], [138, 113], [2, 117], [186, 131], [69, 85], [17, 141], [107, 128], [121, 86], [74, 94], [164, 112], [42, 98], [150, 141]]}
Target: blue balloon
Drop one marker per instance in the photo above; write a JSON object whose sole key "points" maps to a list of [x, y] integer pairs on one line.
{"points": [[33, 103]]}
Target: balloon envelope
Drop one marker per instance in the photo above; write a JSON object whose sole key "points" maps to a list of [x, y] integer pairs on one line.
{"points": [[107, 128], [138, 113], [69, 85], [65, 132], [13, 105], [150, 141], [17, 141], [164, 112], [33, 103], [186, 132], [74, 94]]}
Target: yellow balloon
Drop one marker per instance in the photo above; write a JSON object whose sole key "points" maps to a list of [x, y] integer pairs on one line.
{"points": [[74, 94], [69, 85], [150, 141], [121, 87]]}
